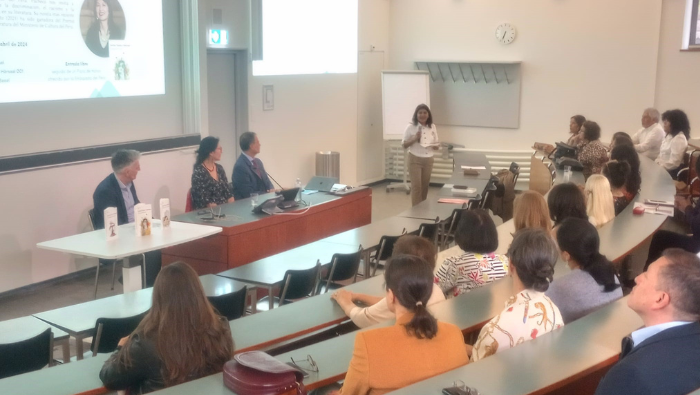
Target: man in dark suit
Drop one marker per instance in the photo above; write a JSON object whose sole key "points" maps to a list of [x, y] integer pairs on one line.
{"points": [[249, 174], [662, 358], [118, 190]]}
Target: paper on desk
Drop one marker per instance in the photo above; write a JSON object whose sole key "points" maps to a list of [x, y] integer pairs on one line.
{"points": [[309, 192], [655, 209], [453, 201], [473, 167]]}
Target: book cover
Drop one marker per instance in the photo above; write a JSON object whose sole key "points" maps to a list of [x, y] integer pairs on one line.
{"points": [[111, 223], [165, 212], [143, 219]]}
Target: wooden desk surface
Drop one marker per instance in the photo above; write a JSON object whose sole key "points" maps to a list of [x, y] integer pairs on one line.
{"points": [[18, 329], [68, 379], [369, 235], [80, 318], [270, 271]]}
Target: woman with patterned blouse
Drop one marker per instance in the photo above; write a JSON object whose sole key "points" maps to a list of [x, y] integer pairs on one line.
{"points": [[529, 313], [209, 183], [592, 154], [477, 237]]}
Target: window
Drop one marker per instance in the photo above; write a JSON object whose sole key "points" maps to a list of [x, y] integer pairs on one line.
{"points": [[694, 24], [308, 37]]}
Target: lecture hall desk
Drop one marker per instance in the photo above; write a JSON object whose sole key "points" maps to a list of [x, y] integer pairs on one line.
{"points": [[247, 237]]}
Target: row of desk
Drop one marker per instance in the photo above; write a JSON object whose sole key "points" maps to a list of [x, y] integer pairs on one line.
{"points": [[468, 311]]}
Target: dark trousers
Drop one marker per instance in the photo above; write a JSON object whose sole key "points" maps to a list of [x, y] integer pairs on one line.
{"points": [[664, 239]]}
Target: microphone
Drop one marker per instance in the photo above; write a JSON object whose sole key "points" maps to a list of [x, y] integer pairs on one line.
{"points": [[278, 184]]}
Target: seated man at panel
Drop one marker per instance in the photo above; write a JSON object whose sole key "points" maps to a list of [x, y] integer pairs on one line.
{"points": [[118, 190], [647, 141], [249, 174], [663, 357]]}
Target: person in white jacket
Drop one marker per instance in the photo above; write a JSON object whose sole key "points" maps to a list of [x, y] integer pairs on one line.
{"points": [[648, 139], [677, 128]]}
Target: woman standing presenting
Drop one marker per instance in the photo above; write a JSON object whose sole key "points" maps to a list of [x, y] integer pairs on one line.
{"points": [[421, 139]]}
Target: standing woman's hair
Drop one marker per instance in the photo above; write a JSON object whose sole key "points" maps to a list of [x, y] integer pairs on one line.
{"points": [[192, 340], [208, 145], [533, 255], [679, 122], [617, 173], [628, 154], [566, 201], [429, 122], [410, 279], [580, 239], [600, 205], [530, 211]]}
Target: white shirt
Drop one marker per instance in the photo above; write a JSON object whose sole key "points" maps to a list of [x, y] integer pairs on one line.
{"points": [[429, 136], [128, 198], [640, 335], [672, 151], [647, 141]]}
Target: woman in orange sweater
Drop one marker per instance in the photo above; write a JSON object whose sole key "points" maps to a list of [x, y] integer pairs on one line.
{"points": [[417, 347]]}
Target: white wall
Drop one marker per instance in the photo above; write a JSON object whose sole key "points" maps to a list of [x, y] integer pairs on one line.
{"points": [[595, 57], [676, 83], [47, 204]]}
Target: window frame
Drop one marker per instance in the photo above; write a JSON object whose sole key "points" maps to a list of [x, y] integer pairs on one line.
{"points": [[693, 41]]}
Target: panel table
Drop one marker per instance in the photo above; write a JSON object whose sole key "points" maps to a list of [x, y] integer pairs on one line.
{"points": [[247, 237]]}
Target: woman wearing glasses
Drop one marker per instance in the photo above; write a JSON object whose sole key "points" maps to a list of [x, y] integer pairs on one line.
{"points": [[417, 347]]}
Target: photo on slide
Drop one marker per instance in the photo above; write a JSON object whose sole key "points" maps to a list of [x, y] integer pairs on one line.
{"points": [[102, 21]]}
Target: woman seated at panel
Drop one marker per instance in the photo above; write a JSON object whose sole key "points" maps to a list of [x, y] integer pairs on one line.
{"points": [[566, 201], [591, 153], [575, 124], [617, 174], [529, 313], [477, 237], [210, 186], [626, 153], [677, 128], [378, 308], [664, 239], [600, 205], [592, 282], [530, 211], [417, 347], [181, 338]]}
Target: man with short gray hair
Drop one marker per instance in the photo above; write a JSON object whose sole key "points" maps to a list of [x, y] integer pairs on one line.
{"points": [[648, 139], [662, 358]]}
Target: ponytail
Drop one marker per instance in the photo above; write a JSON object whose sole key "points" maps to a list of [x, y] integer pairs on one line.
{"points": [[410, 278], [580, 239]]}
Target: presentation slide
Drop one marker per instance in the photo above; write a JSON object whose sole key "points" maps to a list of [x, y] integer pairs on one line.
{"points": [[78, 49]]}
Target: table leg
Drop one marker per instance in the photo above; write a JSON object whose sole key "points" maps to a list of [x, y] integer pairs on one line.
{"points": [[131, 276], [254, 300], [79, 347], [65, 346], [271, 297]]}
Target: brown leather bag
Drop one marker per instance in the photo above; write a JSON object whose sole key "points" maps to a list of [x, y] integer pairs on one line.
{"points": [[257, 373]]}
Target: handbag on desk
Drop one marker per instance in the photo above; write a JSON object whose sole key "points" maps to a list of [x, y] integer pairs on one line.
{"points": [[257, 373]]}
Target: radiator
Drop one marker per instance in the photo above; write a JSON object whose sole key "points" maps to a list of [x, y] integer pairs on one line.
{"points": [[442, 169]]}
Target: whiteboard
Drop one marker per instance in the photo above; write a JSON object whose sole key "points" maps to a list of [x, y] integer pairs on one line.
{"points": [[402, 92]]}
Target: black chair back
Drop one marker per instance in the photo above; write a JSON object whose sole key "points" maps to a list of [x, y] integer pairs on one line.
{"points": [[489, 189], [515, 169], [386, 249], [108, 332], [299, 284], [91, 217], [26, 355], [231, 306], [343, 267], [430, 231]]}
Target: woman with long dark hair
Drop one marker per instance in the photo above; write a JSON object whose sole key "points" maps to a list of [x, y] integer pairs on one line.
{"points": [[592, 282], [210, 186], [566, 201], [421, 139], [617, 172], [417, 347], [181, 338], [626, 153], [103, 28], [674, 145]]}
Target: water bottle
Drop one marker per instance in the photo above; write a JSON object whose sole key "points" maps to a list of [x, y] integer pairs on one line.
{"points": [[298, 185]]}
